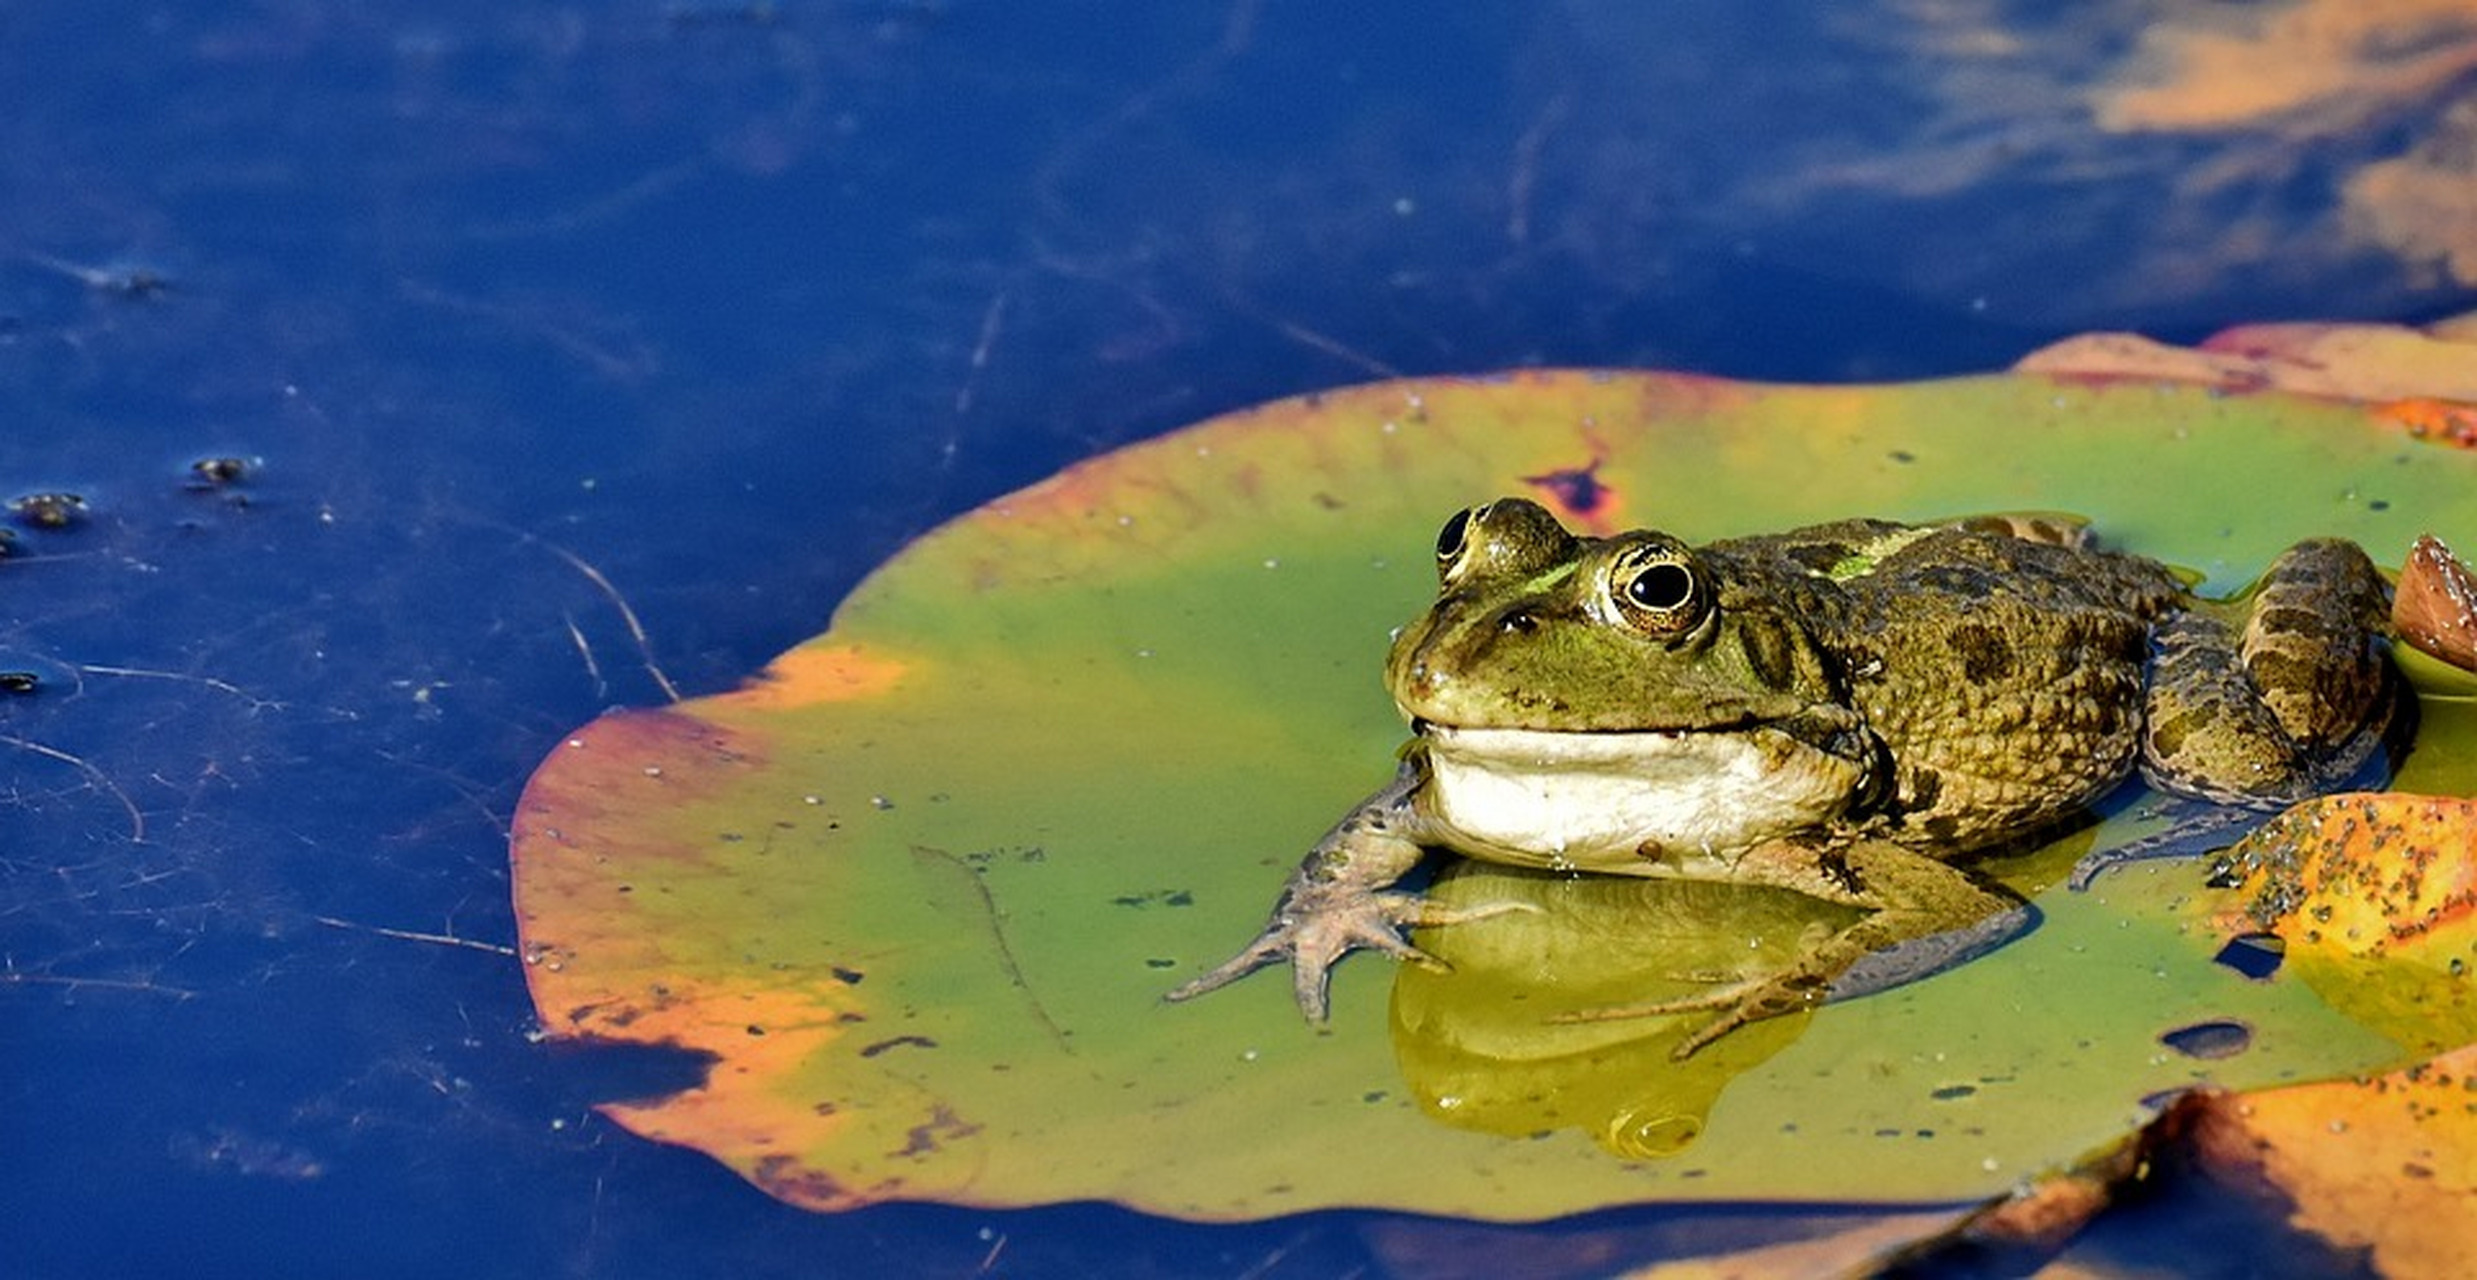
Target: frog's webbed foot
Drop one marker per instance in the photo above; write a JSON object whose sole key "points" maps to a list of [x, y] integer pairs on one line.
{"points": [[1314, 926], [2301, 701], [2196, 828]]}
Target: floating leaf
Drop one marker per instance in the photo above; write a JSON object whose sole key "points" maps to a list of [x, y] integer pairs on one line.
{"points": [[919, 888], [2436, 606], [2387, 1165], [2430, 374], [2376, 899]]}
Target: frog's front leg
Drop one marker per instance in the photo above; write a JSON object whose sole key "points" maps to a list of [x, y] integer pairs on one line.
{"points": [[1924, 916], [1340, 899]]}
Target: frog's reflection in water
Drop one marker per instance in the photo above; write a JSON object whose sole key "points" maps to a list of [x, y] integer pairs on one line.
{"points": [[1482, 1047]]}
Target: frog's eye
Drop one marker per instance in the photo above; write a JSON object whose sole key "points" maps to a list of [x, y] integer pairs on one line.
{"points": [[1508, 539], [1658, 590], [1455, 538]]}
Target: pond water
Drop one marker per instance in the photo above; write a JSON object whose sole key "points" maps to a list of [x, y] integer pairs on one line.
{"points": [[575, 354]]}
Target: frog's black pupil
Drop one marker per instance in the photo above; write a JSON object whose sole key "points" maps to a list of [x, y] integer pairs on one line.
{"points": [[1449, 538], [1662, 586]]}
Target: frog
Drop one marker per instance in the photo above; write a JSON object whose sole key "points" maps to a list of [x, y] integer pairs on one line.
{"points": [[1863, 711]]}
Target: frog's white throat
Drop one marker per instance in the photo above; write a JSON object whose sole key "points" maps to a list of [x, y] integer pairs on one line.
{"points": [[1650, 803]]}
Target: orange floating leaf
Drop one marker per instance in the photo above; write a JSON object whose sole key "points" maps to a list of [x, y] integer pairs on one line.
{"points": [[2388, 1165], [2374, 362], [2375, 896]]}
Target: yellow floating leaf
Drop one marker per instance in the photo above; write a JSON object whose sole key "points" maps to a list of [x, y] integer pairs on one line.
{"points": [[2375, 896]]}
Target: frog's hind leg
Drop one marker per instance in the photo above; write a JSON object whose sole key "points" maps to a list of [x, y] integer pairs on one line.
{"points": [[2316, 645], [2303, 701], [2294, 706], [2208, 734]]}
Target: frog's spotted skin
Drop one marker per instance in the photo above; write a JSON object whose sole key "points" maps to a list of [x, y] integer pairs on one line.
{"points": [[1843, 710]]}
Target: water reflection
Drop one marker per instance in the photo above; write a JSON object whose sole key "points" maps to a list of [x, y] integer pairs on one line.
{"points": [[1480, 1047]]}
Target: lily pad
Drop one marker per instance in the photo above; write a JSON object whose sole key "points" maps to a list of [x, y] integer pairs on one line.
{"points": [[918, 889]]}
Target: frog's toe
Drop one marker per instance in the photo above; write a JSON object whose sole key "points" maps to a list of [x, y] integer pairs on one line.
{"points": [[1263, 951], [1374, 922]]}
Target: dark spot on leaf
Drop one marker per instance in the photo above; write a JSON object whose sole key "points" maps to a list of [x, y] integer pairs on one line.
{"points": [[1577, 489], [923, 1138], [600, 1071], [917, 1042], [1952, 1091], [1155, 897], [2255, 955], [1903, 455], [2217, 1038], [785, 1178]]}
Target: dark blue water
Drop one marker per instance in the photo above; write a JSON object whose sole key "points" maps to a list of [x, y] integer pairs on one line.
{"points": [[727, 302]]}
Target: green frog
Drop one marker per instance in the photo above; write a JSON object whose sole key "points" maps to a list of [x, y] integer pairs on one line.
{"points": [[1855, 711]]}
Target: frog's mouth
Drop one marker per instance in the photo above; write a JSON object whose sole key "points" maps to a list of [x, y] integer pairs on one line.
{"points": [[1662, 755], [1434, 731], [1598, 800]]}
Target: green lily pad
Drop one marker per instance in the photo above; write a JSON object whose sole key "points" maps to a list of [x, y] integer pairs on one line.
{"points": [[919, 888]]}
